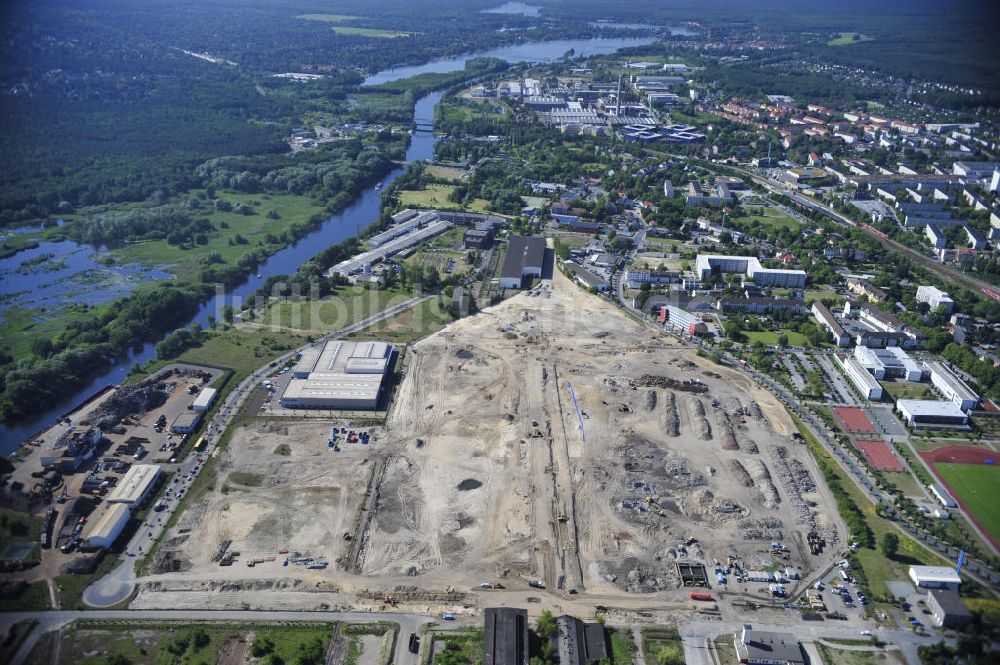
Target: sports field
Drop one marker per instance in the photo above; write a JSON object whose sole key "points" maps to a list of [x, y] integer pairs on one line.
{"points": [[972, 475], [879, 455], [853, 419], [975, 487]]}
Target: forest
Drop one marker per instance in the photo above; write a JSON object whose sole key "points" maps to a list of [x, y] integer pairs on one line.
{"points": [[63, 364]]}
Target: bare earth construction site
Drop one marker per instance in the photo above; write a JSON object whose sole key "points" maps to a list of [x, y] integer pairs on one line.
{"points": [[549, 439]]}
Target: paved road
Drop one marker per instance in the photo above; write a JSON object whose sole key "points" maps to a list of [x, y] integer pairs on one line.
{"points": [[117, 586], [49, 621]]}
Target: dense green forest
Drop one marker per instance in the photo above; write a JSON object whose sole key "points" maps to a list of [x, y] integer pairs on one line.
{"points": [[65, 363]]}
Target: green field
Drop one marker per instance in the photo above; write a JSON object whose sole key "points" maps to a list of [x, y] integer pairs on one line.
{"points": [[151, 643], [848, 38], [186, 263], [976, 485], [771, 338], [457, 647], [425, 319], [436, 196], [770, 218], [24, 597], [445, 172], [17, 528], [370, 32], [663, 646], [907, 390], [242, 349], [622, 647], [349, 305], [905, 481], [845, 657]]}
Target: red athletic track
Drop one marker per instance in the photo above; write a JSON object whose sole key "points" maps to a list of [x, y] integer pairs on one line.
{"points": [[853, 419], [961, 455], [879, 455]]}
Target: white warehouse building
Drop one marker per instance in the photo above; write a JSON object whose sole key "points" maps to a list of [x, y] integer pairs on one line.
{"points": [[932, 413], [339, 375], [103, 531], [935, 577], [135, 486], [204, 399]]}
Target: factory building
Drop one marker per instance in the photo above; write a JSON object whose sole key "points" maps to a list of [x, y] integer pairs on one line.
{"points": [[919, 413], [935, 577], [505, 636], [204, 399], [339, 375], [888, 363], [952, 387], [586, 278], [580, 643], [826, 319], [861, 378], [708, 264], [682, 320], [414, 236], [760, 648], [186, 422], [936, 298], [948, 609], [525, 256], [135, 486], [103, 531]]}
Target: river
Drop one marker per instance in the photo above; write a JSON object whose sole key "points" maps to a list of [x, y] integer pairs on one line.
{"points": [[534, 52], [350, 222]]}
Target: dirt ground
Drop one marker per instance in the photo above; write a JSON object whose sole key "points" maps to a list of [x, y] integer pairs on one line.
{"points": [[487, 472], [265, 501]]}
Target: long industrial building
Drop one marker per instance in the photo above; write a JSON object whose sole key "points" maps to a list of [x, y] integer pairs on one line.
{"points": [[391, 247], [707, 264], [505, 636], [861, 378], [952, 387], [339, 375], [103, 531], [135, 486], [932, 413], [888, 363], [204, 399], [580, 643]]}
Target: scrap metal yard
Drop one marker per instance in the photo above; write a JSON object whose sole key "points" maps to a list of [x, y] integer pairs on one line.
{"points": [[549, 442]]}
